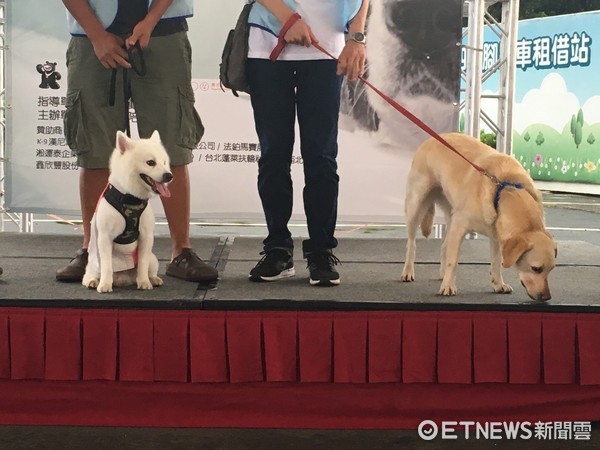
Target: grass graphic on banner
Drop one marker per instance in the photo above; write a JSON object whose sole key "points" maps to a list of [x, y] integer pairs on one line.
{"points": [[552, 156]]}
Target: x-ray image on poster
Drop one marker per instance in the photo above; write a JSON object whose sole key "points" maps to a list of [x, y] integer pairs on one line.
{"points": [[411, 55], [413, 58]]}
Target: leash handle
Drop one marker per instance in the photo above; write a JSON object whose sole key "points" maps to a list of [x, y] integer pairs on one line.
{"points": [[422, 125], [280, 40], [136, 59], [138, 65]]}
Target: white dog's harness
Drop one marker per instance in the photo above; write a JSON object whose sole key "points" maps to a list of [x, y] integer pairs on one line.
{"points": [[125, 245], [131, 208]]}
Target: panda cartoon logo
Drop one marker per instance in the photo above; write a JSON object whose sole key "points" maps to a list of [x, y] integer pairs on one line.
{"points": [[49, 75]]}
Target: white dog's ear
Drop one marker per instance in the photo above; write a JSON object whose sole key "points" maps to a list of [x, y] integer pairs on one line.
{"points": [[155, 136], [123, 142], [513, 249]]}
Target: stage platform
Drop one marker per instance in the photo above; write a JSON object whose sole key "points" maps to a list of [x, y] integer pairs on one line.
{"points": [[372, 353], [370, 274]]}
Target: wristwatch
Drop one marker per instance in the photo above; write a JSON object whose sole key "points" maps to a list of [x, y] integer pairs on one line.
{"points": [[359, 37]]}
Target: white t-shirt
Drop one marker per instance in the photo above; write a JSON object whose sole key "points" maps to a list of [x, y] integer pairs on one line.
{"points": [[320, 15]]}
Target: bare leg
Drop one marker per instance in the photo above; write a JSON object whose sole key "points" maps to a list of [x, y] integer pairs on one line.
{"points": [[177, 210], [185, 264], [91, 185]]}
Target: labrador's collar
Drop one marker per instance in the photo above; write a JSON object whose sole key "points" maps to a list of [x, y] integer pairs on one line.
{"points": [[500, 188]]}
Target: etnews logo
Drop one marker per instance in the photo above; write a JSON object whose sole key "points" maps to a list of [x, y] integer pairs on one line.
{"points": [[466, 429]]}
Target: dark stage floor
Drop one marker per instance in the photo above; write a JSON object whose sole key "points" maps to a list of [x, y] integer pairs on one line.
{"points": [[84, 438], [370, 273]]}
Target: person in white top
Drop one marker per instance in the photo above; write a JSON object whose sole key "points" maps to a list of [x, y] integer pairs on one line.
{"points": [[304, 81]]}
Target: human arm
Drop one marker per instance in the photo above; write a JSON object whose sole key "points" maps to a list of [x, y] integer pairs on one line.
{"points": [[352, 59], [143, 30], [299, 33], [107, 46]]}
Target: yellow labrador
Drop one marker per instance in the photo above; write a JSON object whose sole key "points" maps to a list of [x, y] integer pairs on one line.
{"points": [[514, 226]]}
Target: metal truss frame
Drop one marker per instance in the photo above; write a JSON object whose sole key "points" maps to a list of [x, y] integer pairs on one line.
{"points": [[477, 16], [507, 30], [23, 222]]}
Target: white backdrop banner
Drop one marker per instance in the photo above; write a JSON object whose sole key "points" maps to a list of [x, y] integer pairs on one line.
{"points": [[376, 143]]}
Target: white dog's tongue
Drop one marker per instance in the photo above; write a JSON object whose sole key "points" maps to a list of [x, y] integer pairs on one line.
{"points": [[163, 190]]}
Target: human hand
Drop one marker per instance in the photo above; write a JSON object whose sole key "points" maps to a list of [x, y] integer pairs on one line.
{"points": [[300, 34], [109, 51], [352, 60], [141, 33]]}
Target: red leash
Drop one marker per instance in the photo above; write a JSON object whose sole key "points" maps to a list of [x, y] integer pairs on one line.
{"points": [[401, 109], [414, 119], [280, 40]]}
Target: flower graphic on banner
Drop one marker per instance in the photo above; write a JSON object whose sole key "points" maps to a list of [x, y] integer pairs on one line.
{"points": [[538, 159], [564, 169], [590, 166]]}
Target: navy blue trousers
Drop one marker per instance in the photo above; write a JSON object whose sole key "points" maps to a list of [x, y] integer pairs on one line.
{"points": [[281, 90]]}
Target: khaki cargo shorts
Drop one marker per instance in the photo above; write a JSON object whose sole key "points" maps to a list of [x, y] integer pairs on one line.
{"points": [[163, 101]]}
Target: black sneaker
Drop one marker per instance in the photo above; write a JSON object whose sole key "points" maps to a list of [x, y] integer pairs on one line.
{"points": [[274, 265], [321, 268]]}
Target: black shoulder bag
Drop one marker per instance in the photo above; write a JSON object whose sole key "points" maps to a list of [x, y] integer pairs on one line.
{"points": [[232, 70]]}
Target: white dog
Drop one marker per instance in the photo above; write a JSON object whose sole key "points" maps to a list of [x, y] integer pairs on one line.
{"points": [[122, 236]]}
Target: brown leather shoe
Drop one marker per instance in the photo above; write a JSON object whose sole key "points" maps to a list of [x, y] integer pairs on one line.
{"points": [[189, 267], [75, 270]]}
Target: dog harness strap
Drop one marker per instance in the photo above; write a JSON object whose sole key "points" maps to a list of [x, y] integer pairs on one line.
{"points": [[281, 41], [500, 188], [131, 208]]}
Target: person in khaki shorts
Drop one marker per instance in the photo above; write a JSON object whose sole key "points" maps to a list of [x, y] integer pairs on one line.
{"points": [[102, 80]]}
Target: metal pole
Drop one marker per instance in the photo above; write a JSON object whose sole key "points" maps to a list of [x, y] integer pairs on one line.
{"points": [[2, 106], [476, 9], [508, 46]]}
